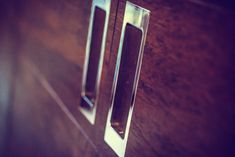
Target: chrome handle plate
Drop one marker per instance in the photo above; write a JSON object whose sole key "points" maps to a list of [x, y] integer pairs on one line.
{"points": [[117, 129], [94, 58]]}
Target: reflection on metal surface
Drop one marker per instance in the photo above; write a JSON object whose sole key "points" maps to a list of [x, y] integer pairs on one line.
{"points": [[94, 58], [130, 53], [126, 78]]}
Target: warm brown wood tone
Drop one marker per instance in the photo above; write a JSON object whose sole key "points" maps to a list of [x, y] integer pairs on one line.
{"points": [[52, 41], [185, 99]]}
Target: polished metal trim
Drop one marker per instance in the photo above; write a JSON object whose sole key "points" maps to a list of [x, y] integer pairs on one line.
{"points": [[138, 17], [91, 113]]}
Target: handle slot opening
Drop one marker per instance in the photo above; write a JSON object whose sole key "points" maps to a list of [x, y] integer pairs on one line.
{"points": [[124, 93], [92, 74]]}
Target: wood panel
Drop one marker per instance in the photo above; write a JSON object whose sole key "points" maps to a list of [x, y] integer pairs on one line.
{"points": [[185, 99], [45, 119], [38, 124]]}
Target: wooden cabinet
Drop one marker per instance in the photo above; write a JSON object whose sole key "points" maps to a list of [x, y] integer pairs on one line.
{"points": [[184, 103]]}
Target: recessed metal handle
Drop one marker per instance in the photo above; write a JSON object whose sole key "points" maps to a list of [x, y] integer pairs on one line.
{"points": [[94, 58], [123, 97], [126, 76]]}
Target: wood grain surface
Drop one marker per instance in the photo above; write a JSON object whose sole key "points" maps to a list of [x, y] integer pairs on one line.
{"points": [[185, 99]]}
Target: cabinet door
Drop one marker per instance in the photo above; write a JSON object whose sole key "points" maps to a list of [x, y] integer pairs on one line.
{"points": [[45, 116], [186, 66]]}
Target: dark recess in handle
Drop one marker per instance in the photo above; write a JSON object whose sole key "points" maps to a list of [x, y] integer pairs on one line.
{"points": [[94, 58], [124, 94]]}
